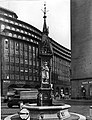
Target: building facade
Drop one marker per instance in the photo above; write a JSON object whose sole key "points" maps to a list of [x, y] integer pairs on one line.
{"points": [[19, 56], [81, 60]]}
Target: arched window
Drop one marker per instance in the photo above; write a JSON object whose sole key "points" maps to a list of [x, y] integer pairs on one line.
{"points": [[67, 91], [10, 34]]}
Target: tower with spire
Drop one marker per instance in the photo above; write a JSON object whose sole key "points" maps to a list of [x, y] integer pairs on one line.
{"points": [[45, 55]]}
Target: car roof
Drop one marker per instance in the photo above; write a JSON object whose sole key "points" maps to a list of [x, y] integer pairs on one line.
{"points": [[25, 89]]}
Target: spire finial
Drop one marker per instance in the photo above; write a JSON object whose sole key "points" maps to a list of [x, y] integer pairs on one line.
{"points": [[44, 10], [45, 30]]}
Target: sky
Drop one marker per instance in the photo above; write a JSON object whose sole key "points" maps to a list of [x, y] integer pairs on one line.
{"points": [[58, 16]]}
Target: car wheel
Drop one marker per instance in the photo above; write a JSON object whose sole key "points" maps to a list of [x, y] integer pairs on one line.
{"points": [[9, 105]]}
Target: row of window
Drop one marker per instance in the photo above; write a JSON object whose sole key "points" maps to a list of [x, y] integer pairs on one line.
{"points": [[63, 78], [60, 61], [61, 71], [13, 69], [18, 46], [19, 60], [7, 14], [62, 52], [19, 77], [19, 24], [22, 37]]}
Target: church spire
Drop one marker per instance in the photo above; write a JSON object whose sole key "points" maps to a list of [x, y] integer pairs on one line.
{"points": [[45, 29]]}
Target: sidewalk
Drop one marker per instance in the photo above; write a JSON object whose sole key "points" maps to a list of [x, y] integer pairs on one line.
{"points": [[76, 101]]}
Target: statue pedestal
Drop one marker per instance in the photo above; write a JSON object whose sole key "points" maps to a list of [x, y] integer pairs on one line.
{"points": [[48, 112], [44, 97]]}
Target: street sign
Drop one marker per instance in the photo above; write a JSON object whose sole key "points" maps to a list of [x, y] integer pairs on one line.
{"points": [[24, 114]]}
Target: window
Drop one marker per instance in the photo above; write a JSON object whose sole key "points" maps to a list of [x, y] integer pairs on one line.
{"points": [[5, 14], [30, 78], [16, 23], [19, 36], [26, 77], [11, 76], [26, 71], [17, 69], [25, 32], [10, 15], [33, 49], [13, 28], [21, 46], [26, 61], [11, 45], [31, 40], [14, 35], [25, 47], [17, 77], [6, 20], [10, 34], [21, 69], [22, 77], [20, 24], [6, 41], [17, 52], [27, 39], [6, 53], [33, 62], [21, 60], [30, 70], [21, 53], [26, 54], [37, 63], [11, 22], [16, 45], [12, 68], [24, 38], [12, 59], [17, 29], [30, 62], [6, 67], [30, 49], [7, 59], [2, 19], [6, 76], [2, 27], [17, 60], [8, 27]]}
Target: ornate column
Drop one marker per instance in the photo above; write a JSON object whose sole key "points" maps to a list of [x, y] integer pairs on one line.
{"points": [[45, 55]]}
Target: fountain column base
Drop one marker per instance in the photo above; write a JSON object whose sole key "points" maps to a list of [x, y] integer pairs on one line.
{"points": [[48, 112]]}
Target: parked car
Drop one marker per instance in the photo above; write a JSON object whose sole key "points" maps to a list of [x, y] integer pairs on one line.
{"points": [[8, 95], [24, 95]]}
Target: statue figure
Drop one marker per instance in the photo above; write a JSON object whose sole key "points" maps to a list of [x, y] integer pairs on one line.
{"points": [[45, 73]]}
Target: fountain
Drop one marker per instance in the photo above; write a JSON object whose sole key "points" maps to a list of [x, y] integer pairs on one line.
{"points": [[45, 109]]}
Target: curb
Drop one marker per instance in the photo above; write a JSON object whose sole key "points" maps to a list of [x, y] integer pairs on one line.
{"points": [[81, 117], [9, 117]]}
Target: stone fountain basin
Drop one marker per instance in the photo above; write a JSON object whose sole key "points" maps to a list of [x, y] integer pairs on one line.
{"points": [[56, 112]]}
